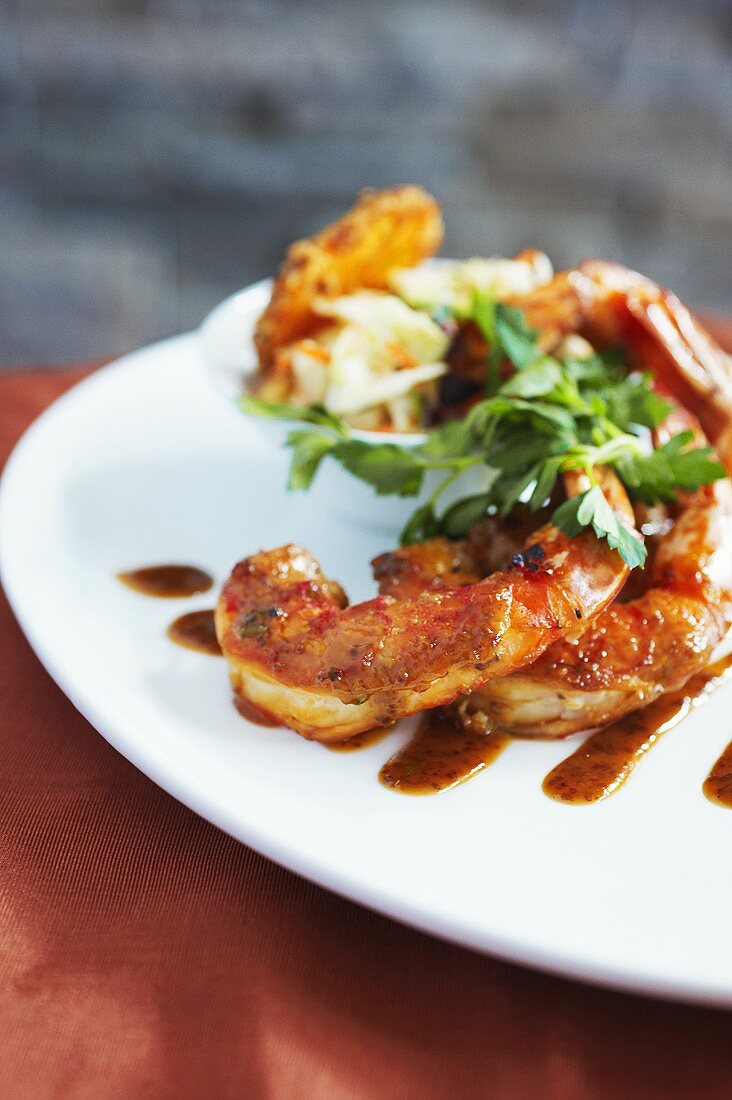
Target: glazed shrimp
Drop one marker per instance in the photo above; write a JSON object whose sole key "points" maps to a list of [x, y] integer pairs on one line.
{"points": [[634, 651], [304, 660], [639, 649], [611, 305], [440, 562]]}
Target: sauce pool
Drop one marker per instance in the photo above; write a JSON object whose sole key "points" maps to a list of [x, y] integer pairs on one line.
{"points": [[441, 755], [196, 630], [360, 740], [606, 759], [167, 581]]}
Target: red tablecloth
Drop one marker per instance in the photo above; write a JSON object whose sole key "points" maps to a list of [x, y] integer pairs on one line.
{"points": [[145, 954]]}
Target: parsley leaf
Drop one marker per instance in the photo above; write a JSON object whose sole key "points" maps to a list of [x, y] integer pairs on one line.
{"points": [[596, 370], [519, 450], [278, 410], [507, 491], [545, 482], [656, 476], [506, 334], [536, 379], [463, 514], [592, 508], [483, 313], [528, 415], [390, 469], [455, 439], [308, 451], [421, 525], [632, 401], [513, 336]]}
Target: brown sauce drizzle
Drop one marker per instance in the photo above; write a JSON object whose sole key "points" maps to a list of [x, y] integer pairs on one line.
{"points": [[606, 759], [167, 581], [196, 630], [442, 754], [360, 740], [718, 784]]}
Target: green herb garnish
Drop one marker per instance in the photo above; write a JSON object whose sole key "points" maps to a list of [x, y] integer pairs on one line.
{"points": [[548, 417]]}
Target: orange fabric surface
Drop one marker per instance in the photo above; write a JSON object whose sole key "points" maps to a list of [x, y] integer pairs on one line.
{"points": [[145, 954]]}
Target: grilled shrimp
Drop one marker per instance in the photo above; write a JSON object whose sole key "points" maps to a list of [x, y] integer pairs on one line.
{"points": [[303, 659], [637, 650], [632, 653], [611, 305], [440, 562]]}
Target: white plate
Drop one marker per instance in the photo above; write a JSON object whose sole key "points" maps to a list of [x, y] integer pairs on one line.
{"points": [[141, 464]]}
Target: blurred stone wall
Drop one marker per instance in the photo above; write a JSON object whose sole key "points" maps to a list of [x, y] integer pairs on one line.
{"points": [[157, 154]]}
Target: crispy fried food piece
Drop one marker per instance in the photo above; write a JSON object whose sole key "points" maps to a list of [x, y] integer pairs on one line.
{"points": [[398, 227]]}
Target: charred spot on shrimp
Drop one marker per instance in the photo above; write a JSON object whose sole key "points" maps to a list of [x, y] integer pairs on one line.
{"points": [[529, 559]]}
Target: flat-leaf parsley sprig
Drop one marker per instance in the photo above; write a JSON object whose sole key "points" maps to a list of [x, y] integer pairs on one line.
{"points": [[548, 417]]}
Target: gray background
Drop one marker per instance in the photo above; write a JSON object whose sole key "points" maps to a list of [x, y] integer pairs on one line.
{"points": [[157, 154]]}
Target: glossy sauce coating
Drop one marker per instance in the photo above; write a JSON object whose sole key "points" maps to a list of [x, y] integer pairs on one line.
{"points": [[605, 760], [361, 740], [196, 630], [167, 581], [253, 713], [442, 754], [330, 671]]}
